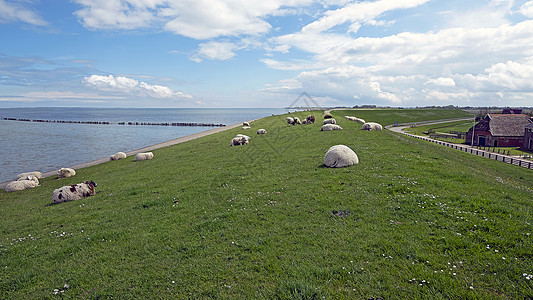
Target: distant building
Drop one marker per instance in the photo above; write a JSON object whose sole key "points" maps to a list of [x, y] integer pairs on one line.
{"points": [[508, 111], [499, 130], [528, 138]]}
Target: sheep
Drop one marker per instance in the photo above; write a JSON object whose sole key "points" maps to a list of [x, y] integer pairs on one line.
{"points": [[340, 156], [21, 184], [304, 121], [37, 174], [329, 121], [65, 172], [329, 127], [290, 121], [310, 119], [350, 118], [243, 136], [261, 131], [239, 140], [246, 127], [245, 124], [328, 116], [360, 120], [372, 126], [117, 156], [297, 121], [143, 156], [73, 192]]}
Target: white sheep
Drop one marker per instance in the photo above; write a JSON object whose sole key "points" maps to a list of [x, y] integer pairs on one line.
{"points": [[329, 127], [73, 192], [23, 183], [350, 118], [261, 131], [372, 126], [65, 172], [360, 120], [245, 124], [117, 156], [37, 174], [290, 121], [246, 127], [297, 121], [143, 156], [340, 156], [239, 140], [304, 121], [329, 121]]}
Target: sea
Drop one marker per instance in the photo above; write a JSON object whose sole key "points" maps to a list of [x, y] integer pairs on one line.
{"points": [[75, 135]]}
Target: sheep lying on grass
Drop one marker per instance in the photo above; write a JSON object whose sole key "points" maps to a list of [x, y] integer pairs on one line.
{"points": [[73, 192], [65, 172], [143, 156], [290, 121], [340, 156], [37, 174], [246, 127], [350, 118], [23, 183], [310, 119], [297, 121], [372, 126], [329, 121], [329, 127], [328, 116], [261, 131], [117, 156], [240, 139], [245, 124]]}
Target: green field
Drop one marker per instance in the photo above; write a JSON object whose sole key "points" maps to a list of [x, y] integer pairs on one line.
{"points": [[267, 220]]}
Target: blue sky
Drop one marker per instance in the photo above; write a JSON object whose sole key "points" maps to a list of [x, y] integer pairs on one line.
{"points": [[257, 53]]}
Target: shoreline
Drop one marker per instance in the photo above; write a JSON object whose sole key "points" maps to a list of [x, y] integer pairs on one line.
{"points": [[172, 142]]}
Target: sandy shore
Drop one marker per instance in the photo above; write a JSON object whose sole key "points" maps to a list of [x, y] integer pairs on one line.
{"points": [[145, 149]]}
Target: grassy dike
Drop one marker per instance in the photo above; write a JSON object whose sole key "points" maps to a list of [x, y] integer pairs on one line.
{"points": [[267, 220]]}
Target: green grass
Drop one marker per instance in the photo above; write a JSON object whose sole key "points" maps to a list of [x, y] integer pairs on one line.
{"points": [[458, 126], [203, 220]]}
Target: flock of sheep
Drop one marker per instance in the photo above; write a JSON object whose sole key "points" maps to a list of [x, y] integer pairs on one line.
{"points": [[69, 192], [337, 156]]}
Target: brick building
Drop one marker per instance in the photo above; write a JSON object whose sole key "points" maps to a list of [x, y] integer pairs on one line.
{"points": [[499, 130]]}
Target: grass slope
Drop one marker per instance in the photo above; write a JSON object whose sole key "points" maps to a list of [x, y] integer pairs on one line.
{"points": [[204, 220]]}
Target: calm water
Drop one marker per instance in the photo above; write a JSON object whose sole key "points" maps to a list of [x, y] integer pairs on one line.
{"points": [[29, 146]]}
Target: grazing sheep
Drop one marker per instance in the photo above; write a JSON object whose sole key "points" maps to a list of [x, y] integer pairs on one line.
{"points": [[245, 124], [310, 119], [23, 183], [261, 131], [65, 172], [37, 174], [297, 121], [329, 121], [290, 121], [328, 116], [372, 126], [340, 156], [329, 127], [143, 156], [73, 192], [117, 156]]}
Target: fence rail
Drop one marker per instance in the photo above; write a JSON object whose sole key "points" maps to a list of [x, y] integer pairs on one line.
{"points": [[496, 156]]}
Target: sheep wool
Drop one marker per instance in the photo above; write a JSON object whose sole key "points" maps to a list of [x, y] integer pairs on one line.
{"points": [[246, 127], [310, 119], [25, 175], [22, 184], [372, 126], [340, 156], [290, 121], [143, 156], [360, 120], [261, 131], [297, 120], [65, 172], [117, 156], [245, 124], [239, 140], [73, 192], [329, 127], [329, 121]]}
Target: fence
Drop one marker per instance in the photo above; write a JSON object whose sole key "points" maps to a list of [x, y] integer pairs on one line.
{"points": [[496, 156]]}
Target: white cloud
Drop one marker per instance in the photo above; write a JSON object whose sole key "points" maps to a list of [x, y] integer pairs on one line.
{"points": [[125, 85], [215, 51], [15, 12], [441, 81], [527, 9], [198, 19]]}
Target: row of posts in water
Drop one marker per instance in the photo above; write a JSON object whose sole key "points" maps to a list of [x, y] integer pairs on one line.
{"points": [[119, 123]]}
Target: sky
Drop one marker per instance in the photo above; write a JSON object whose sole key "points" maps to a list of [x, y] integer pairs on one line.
{"points": [[265, 53]]}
